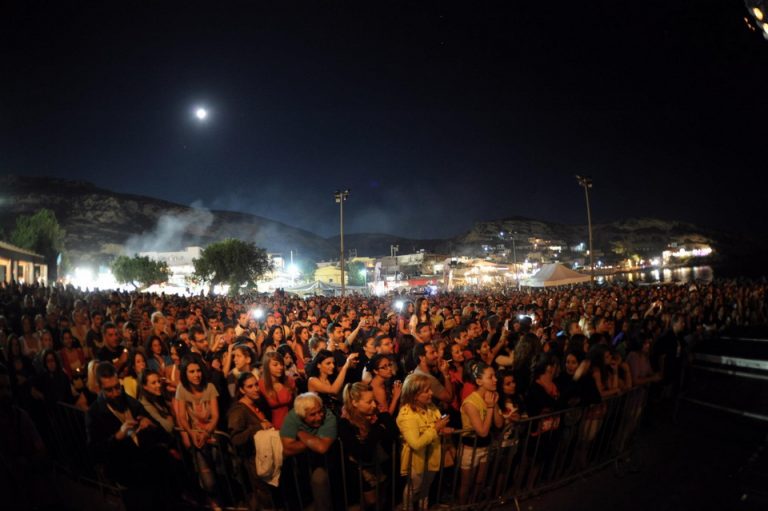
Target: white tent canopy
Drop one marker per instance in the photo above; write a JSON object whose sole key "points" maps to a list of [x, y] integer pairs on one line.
{"points": [[555, 275], [323, 288]]}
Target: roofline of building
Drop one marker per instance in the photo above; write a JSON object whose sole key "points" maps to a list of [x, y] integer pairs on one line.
{"points": [[13, 248]]}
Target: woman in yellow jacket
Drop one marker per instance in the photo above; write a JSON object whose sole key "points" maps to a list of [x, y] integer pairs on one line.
{"points": [[421, 425]]}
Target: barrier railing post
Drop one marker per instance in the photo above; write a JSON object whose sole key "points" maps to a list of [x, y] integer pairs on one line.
{"points": [[395, 472], [526, 456]]}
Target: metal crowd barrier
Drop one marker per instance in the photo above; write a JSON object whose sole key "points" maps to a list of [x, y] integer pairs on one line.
{"points": [[731, 377], [529, 456], [69, 449], [538, 453]]}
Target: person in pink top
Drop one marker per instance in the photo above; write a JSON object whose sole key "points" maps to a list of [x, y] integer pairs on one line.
{"points": [[277, 388]]}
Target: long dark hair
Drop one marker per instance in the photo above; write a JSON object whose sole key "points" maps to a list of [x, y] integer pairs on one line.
{"points": [[44, 354], [404, 311], [271, 334], [148, 346], [516, 398], [132, 362], [477, 368], [597, 361], [417, 310], [240, 382], [321, 356], [185, 363]]}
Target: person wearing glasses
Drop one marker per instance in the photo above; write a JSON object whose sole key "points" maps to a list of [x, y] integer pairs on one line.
{"points": [[382, 368]]}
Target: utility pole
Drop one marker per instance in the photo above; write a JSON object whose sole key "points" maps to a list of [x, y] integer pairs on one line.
{"points": [[514, 259], [340, 197], [586, 183]]}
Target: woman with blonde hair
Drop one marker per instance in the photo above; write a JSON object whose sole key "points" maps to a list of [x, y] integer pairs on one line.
{"points": [[364, 437], [421, 425]]}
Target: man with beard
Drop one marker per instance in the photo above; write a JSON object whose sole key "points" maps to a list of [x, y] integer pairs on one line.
{"points": [[123, 437]]}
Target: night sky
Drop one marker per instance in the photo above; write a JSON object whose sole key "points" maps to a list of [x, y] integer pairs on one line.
{"points": [[434, 114]]}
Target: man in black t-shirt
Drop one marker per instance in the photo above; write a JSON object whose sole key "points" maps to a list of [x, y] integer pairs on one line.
{"points": [[112, 351], [93, 339]]}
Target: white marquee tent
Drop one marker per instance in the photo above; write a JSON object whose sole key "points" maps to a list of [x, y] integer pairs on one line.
{"points": [[555, 274], [324, 289]]}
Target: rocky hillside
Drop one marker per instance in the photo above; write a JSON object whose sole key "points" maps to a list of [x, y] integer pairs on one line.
{"points": [[101, 224]]}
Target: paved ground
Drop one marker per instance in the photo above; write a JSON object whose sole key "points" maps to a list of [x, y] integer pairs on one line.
{"points": [[708, 460]]}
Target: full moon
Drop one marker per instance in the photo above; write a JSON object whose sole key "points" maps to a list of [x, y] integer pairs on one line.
{"points": [[201, 113]]}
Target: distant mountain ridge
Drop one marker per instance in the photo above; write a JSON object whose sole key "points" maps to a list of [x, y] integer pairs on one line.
{"points": [[101, 224]]}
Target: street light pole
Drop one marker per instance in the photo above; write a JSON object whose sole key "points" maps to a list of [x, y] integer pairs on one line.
{"points": [[514, 260], [586, 183], [340, 197]]}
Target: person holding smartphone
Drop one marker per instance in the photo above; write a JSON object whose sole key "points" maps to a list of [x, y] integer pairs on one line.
{"points": [[421, 425]]}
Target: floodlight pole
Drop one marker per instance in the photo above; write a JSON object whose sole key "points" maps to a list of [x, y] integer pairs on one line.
{"points": [[340, 197], [514, 260], [586, 183]]}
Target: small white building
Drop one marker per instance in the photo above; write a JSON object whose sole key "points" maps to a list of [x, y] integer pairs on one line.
{"points": [[179, 263], [21, 265]]}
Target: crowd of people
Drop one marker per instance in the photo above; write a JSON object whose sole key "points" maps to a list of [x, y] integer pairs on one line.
{"points": [[290, 378]]}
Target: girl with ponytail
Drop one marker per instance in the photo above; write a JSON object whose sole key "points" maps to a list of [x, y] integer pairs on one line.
{"points": [[480, 413]]}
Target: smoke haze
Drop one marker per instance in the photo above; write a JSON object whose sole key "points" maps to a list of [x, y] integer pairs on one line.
{"points": [[172, 232]]}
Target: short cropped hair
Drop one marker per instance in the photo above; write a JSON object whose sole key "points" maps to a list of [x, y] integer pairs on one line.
{"points": [[105, 370], [304, 402]]}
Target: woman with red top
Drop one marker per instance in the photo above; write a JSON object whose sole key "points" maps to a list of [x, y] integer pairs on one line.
{"points": [[456, 360], [299, 345], [276, 387]]}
